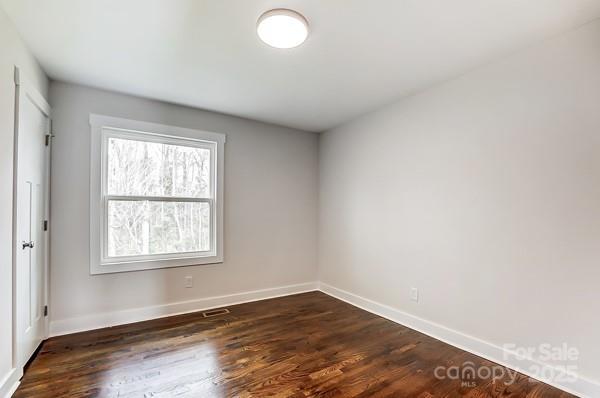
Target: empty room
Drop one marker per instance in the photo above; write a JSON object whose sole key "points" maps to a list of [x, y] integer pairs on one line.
{"points": [[299, 198]]}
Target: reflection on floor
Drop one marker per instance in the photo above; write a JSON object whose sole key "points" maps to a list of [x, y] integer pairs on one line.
{"points": [[298, 346]]}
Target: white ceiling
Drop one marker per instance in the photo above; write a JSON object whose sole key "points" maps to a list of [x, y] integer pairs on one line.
{"points": [[360, 54]]}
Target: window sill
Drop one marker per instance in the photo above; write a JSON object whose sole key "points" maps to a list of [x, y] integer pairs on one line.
{"points": [[112, 268]]}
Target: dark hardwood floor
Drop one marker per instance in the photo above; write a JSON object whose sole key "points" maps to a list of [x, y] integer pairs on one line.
{"points": [[305, 345]]}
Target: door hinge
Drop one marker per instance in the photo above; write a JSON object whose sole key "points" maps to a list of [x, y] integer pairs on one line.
{"points": [[45, 225], [48, 136], [45, 310]]}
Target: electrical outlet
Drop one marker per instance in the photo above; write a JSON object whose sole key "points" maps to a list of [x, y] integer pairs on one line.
{"points": [[188, 281], [414, 294]]}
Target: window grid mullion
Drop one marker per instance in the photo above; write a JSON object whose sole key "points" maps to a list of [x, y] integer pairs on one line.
{"points": [[156, 199]]}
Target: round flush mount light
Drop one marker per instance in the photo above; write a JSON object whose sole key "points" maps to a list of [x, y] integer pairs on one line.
{"points": [[282, 28]]}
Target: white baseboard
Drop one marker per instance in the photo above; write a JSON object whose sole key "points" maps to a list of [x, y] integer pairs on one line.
{"points": [[102, 320], [9, 384], [582, 387]]}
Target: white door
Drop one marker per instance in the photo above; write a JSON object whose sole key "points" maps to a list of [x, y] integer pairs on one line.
{"points": [[30, 251]]}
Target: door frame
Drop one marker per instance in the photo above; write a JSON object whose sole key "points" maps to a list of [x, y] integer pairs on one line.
{"points": [[24, 90]]}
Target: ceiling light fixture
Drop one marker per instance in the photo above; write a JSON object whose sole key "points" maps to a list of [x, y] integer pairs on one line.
{"points": [[282, 28]]}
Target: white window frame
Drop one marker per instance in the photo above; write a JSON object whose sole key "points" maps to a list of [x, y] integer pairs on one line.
{"points": [[105, 127]]}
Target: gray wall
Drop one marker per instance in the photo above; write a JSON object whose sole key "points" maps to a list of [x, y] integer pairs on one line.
{"points": [[12, 53], [270, 208], [483, 193]]}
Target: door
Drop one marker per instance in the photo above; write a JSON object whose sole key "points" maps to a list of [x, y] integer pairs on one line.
{"points": [[32, 125]]}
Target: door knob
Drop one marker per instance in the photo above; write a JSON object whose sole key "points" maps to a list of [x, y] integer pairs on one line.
{"points": [[27, 245]]}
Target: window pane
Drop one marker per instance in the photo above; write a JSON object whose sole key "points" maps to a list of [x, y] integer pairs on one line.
{"points": [[142, 168], [144, 228]]}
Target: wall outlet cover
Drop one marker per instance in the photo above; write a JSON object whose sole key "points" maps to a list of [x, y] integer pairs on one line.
{"points": [[414, 294]]}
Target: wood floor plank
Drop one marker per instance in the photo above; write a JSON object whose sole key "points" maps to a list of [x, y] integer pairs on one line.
{"points": [[306, 345]]}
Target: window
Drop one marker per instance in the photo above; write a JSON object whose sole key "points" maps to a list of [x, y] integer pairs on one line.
{"points": [[156, 196]]}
